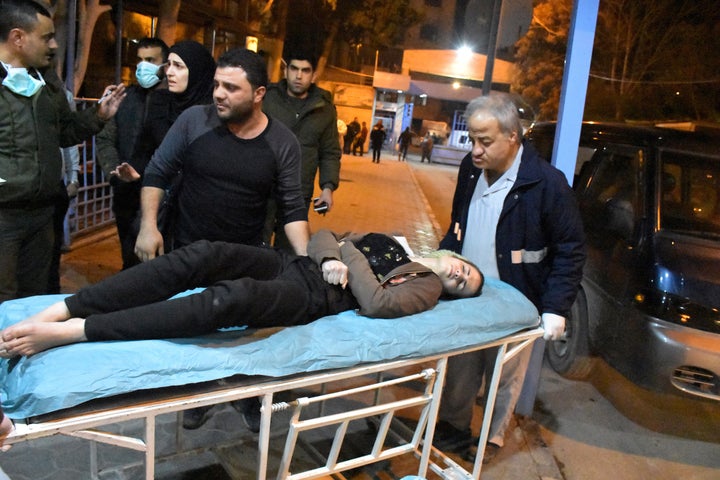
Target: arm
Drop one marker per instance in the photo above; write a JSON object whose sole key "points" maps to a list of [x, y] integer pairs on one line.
{"points": [[415, 295], [567, 241], [149, 242], [298, 233], [329, 155], [453, 239], [289, 197], [323, 245], [105, 143]]}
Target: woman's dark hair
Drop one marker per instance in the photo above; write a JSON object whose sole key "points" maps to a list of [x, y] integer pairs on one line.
{"points": [[252, 63]]}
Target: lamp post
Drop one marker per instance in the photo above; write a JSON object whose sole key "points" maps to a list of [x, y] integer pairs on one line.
{"points": [[492, 42]]}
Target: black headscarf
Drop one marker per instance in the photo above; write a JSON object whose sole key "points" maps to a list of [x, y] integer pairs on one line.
{"points": [[201, 72]]}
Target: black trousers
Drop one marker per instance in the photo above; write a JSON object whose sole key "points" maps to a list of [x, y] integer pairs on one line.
{"points": [[253, 286]]}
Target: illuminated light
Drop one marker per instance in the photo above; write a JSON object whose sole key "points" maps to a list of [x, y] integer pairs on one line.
{"points": [[677, 93], [251, 43], [456, 85], [464, 52], [399, 91], [639, 298], [423, 95], [684, 318]]}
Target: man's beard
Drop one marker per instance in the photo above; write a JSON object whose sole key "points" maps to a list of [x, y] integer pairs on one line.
{"points": [[238, 114]]}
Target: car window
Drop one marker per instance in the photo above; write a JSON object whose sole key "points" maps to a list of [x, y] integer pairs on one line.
{"points": [[609, 192], [690, 191]]}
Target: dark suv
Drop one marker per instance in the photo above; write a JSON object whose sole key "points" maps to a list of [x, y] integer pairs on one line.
{"points": [[650, 296]]}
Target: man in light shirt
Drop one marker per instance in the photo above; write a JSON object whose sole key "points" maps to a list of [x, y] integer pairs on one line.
{"points": [[515, 217]]}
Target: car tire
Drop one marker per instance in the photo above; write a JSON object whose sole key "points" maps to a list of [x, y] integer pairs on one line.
{"points": [[570, 356]]}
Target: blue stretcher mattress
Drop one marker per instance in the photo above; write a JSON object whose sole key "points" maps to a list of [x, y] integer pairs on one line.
{"points": [[68, 376]]}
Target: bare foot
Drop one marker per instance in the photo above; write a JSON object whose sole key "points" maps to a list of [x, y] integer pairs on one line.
{"points": [[28, 338], [57, 312]]}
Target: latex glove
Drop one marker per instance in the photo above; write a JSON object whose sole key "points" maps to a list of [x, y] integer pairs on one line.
{"points": [[554, 326], [335, 272]]}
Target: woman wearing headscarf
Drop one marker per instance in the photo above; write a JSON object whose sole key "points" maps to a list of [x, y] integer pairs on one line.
{"points": [[190, 71]]}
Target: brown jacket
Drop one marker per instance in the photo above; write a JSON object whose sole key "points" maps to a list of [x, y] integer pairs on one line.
{"points": [[410, 288]]}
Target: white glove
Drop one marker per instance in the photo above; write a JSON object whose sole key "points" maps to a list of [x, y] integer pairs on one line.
{"points": [[554, 326]]}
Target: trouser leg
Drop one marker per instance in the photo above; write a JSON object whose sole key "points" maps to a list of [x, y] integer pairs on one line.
{"points": [[60, 209], [462, 382], [200, 264], [126, 207], [246, 301], [26, 237], [509, 388]]}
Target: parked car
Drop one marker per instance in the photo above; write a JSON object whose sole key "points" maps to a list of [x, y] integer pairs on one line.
{"points": [[649, 302]]}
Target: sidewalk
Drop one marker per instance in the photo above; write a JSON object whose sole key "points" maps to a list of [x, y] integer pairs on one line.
{"points": [[384, 197]]}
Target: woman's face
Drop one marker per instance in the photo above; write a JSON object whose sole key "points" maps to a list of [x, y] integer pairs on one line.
{"points": [[177, 74]]}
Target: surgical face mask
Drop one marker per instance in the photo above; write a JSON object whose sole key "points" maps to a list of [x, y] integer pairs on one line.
{"points": [[147, 74], [18, 80]]}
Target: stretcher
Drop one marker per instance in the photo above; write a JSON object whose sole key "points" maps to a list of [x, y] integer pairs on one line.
{"points": [[114, 382]]}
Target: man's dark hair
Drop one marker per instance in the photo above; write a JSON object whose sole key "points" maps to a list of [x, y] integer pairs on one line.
{"points": [[152, 42], [251, 62], [20, 14], [299, 54]]}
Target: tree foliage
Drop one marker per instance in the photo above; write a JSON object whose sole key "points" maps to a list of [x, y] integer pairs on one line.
{"points": [[652, 59], [540, 57]]}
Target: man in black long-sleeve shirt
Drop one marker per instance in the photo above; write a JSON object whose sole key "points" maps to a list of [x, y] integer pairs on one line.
{"points": [[232, 157]]}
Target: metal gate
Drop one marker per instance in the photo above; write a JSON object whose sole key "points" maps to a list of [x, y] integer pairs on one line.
{"points": [[91, 210]]}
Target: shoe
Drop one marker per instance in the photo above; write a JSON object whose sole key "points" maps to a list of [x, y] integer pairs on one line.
{"points": [[196, 417], [249, 410], [491, 451], [449, 439]]}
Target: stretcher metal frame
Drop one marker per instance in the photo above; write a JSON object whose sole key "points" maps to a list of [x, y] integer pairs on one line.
{"points": [[85, 425]]}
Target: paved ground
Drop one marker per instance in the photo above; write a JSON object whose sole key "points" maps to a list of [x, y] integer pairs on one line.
{"points": [[382, 197]]}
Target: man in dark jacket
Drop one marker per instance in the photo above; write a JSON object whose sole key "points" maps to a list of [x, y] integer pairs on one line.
{"points": [[117, 141], [308, 111], [34, 125], [515, 217]]}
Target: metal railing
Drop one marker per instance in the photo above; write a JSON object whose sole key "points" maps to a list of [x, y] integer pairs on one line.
{"points": [[92, 209]]}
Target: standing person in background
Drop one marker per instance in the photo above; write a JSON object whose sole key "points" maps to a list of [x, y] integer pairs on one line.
{"points": [[189, 76], [352, 130], [360, 140], [34, 126], [342, 131], [117, 142], [514, 216], [308, 111], [426, 147], [404, 143], [377, 138]]}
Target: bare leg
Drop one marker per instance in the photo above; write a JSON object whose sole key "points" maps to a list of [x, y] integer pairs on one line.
{"points": [[27, 338]]}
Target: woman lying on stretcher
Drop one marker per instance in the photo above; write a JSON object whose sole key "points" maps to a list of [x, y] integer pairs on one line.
{"points": [[253, 286]]}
